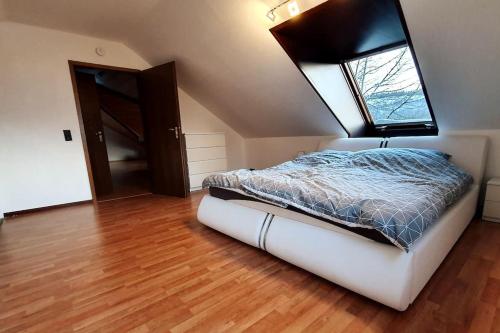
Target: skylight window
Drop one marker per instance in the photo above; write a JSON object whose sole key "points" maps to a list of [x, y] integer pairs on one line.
{"points": [[370, 78], [390, 88]]}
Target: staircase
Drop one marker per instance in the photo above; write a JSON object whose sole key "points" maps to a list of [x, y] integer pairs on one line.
{"points": [[121, 113]]}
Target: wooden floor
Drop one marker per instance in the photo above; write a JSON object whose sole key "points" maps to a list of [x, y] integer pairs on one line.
{"points": [[145, 264]]}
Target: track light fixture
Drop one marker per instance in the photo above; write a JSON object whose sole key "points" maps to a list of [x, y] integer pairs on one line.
{"points": [[293, 9]]}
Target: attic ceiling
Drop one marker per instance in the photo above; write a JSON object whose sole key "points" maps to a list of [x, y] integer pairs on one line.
{"points": [[229, 62]]}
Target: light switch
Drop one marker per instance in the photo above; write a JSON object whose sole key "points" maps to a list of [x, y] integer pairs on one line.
{"points": [[67, 135]]}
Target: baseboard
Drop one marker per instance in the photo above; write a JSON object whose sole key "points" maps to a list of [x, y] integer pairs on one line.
{"points": [[35, 210]]}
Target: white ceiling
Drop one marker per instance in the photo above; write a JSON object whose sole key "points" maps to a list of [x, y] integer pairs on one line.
{"points": [[229, 62], [2, 11], [458, 47]]}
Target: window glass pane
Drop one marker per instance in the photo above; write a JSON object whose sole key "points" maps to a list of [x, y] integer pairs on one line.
{"points": [[391, 88]]}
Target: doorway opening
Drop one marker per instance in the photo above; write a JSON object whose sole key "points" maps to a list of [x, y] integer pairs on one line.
{"points": [[119, 129], [130, 126]]}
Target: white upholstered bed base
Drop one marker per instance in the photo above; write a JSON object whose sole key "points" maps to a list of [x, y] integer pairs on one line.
{"points": [[379, 271]]}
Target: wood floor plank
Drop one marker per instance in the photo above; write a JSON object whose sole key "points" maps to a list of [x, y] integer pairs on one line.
{"points": [[145, 264]]}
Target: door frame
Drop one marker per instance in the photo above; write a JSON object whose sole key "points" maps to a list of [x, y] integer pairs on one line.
{"points": [[72, 67]]}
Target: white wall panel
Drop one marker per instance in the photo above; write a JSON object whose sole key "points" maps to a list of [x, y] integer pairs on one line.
{"points": [[207, 166], [206, 155], [205, 140], [201, 154]]}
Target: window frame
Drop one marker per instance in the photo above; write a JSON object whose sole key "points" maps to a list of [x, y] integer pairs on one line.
{"points": [[425, 128]]}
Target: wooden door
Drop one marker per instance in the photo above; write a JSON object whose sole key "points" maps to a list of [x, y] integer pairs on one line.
{"points": [[163, 134], [94, 133]]}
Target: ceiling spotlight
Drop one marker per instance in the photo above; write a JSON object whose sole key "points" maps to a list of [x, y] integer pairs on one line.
{"points": [[270, 15], [293, 8]]}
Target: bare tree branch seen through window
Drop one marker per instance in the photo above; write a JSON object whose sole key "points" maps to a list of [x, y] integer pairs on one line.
{"points": [[391, 88]]}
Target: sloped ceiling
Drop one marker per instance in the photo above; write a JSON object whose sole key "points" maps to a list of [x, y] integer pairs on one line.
{"points": [[226, 57], [2, 11], [229, 62], [458, 47]]}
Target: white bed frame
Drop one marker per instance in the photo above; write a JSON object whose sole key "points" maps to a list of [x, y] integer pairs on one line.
{"points": [[379, 271]]}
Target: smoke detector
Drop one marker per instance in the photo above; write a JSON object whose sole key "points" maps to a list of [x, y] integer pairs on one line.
{"points": [[100, 51]]}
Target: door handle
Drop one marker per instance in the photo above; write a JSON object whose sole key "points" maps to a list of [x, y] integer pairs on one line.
{"points": [[100, 135], [176, 130]]}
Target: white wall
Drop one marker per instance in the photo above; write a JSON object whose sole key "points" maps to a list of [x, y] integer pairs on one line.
{"points": [[195, 118], [37, 167], [266, 152], [493, 164]]}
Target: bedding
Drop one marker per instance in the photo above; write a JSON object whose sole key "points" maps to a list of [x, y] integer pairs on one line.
{"points": [[399, 192]]}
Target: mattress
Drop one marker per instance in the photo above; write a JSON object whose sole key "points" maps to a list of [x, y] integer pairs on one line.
{"points": [[300, 215]]}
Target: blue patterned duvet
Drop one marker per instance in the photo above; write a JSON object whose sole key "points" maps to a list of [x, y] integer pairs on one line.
{"points": [[398, 192]]}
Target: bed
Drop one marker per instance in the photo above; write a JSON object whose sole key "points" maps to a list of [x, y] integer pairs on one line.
{"points": [[381, 271]]}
